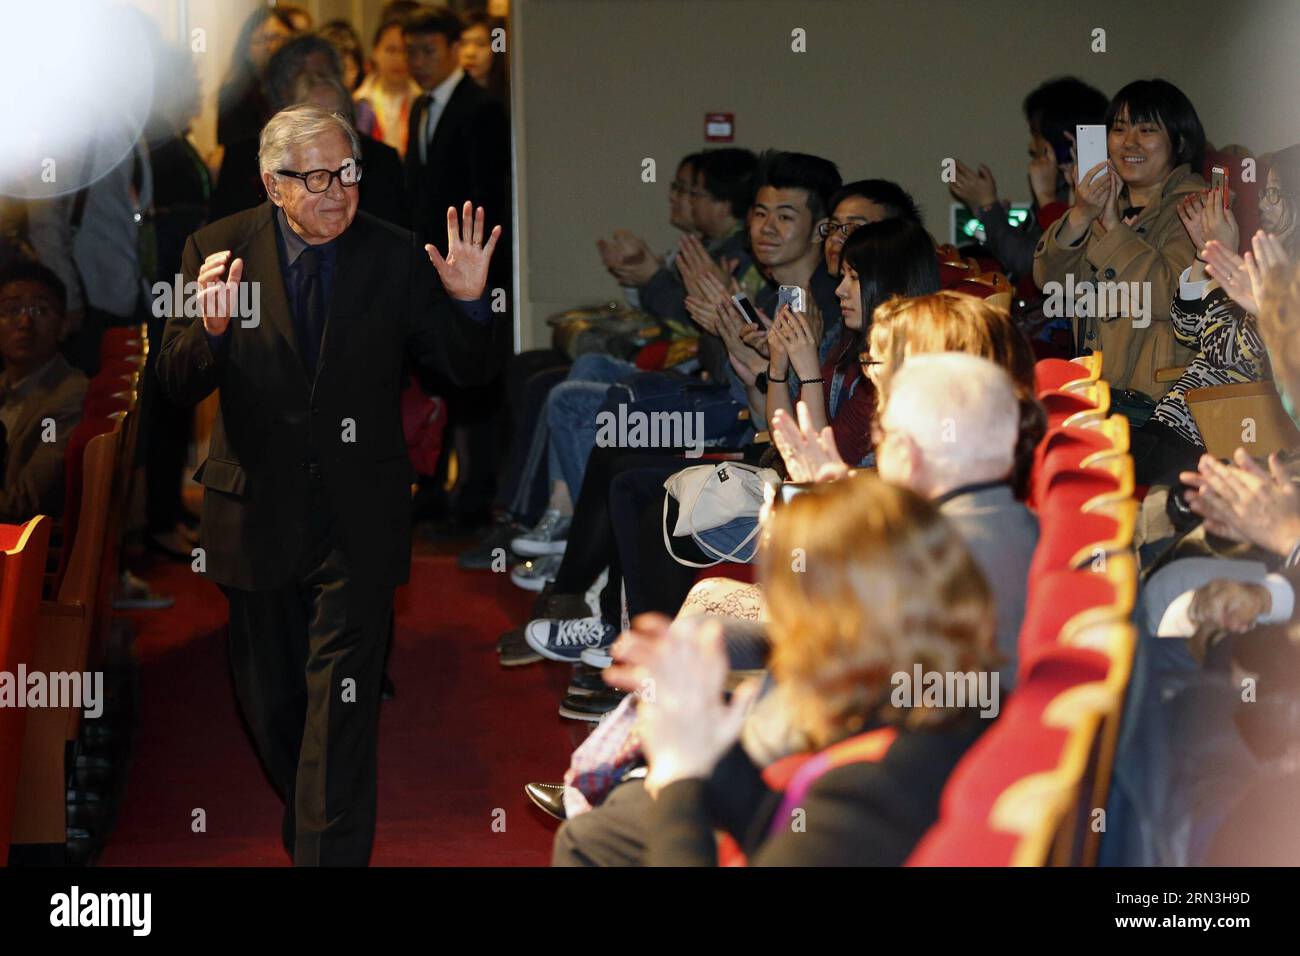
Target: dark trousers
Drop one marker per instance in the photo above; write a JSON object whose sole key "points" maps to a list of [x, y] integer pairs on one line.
{"points": [[612, 834], [307, 661]]}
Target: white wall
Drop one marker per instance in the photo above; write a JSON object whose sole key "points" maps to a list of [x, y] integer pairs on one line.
{"points": [[885, 89]]}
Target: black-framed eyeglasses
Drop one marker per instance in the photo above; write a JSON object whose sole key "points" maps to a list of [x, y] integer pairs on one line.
{"points": [[12, 313], [1271, 194], [867, 362], [843, 228], [320, 180]]}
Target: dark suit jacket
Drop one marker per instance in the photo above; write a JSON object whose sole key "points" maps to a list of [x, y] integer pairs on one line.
{"points": [[33, 468], [468, 159], [276, 431], [383, 187]]}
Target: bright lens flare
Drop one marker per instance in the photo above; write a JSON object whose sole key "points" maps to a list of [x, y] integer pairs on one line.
{"points": [[78, 78]]}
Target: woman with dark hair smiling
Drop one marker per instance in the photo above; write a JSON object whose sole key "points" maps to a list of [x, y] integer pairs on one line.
{"points": [[1124, 228]]}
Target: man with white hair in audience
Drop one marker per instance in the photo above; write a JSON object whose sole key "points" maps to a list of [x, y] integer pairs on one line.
{"points": [[949, 433]]}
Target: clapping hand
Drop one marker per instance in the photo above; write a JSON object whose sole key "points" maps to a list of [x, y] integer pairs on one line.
{"points": [[1243, 502], [1243, 277], [976, 189], [808, 454], [679, 673], [797, 340], [464, 270]]}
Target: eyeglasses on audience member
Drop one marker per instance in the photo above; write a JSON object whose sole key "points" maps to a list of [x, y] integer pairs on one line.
{"points": [[12, 312], [843, 228], [320, 180]]}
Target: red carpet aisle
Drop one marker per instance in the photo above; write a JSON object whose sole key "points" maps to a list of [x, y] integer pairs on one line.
{"points": [[460, 740]]}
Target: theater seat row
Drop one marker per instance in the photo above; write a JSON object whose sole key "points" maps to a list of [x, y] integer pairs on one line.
{"points": [[1032, 790], [58, 621]]}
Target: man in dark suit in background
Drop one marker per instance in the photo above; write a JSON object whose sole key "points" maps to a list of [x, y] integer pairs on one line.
{"points": [[308, 312], [458, 140], [458, 149]]}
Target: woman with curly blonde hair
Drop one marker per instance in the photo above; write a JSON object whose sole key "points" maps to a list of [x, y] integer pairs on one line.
{"points": [[883, 587]]}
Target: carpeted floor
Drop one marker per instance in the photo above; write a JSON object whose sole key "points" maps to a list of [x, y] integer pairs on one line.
{"points": [[457, 744]]}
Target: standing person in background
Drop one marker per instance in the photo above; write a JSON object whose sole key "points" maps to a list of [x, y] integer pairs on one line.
{"points": [[479, 60], [458, 149], [242, 106], [347, 45], [385, 96]]}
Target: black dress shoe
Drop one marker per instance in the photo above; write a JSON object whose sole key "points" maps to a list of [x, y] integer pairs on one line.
{"points": [[513, 649], [586, 681], [548, 797], [591, 707], [386, 689]]}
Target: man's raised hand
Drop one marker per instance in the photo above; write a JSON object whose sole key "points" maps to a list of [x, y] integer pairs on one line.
{"points": [[464, 270], [217, 297]]}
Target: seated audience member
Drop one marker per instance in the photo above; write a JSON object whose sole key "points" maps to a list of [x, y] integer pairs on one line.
{"points": [[532, 376], [1124, 228], [889, 586], [1224, 335], [40, 393], [893, 257], [629, 258], [385, 96], [572, 407], [790, 204], [720, 202], [966, 480], [1052, 111], [1180, 762], [857, 204]]}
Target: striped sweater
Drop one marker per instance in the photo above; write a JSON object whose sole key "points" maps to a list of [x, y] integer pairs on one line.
{"points": [[1228, 347]]}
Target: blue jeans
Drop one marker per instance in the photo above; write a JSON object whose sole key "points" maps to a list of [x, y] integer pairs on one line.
{"points": [[571, 414]]}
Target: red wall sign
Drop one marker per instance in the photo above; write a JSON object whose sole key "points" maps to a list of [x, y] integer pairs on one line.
{"points": [[720, 127]]}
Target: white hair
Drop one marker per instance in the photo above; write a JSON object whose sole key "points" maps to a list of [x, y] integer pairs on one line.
{"points": [[297, 126], [960, 411]]}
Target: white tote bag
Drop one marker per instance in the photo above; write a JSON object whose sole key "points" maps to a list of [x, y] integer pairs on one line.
{"points": [[710, 496]]}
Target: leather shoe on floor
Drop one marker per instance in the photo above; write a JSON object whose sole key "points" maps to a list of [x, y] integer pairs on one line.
{"points": [[591, 707], [514, 650], [548, 797]]}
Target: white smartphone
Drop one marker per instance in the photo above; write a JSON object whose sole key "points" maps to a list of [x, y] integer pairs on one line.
{"points": [[1090, 148], [791, 295]]}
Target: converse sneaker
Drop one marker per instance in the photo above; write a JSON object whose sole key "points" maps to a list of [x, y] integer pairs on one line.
{"points": [[565, 640], [533, 574], [597, 656], [547, 538]]}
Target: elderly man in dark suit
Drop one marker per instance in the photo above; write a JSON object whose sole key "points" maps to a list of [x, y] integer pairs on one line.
{"points": [[307, 312], [40, 393]]}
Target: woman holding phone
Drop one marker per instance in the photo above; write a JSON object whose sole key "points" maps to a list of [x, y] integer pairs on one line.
{"points": [[1124, 227]]}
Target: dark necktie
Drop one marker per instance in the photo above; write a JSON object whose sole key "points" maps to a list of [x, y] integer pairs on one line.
{"points": [[311, 308]]}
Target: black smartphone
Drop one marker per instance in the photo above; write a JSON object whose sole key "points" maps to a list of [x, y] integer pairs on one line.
{"points": [[746, 308]]}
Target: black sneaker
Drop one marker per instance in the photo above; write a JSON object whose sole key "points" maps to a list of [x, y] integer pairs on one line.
{"points": [[493, 551], [592, 707], [514, 650], [586, 681], [564, 639]]}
